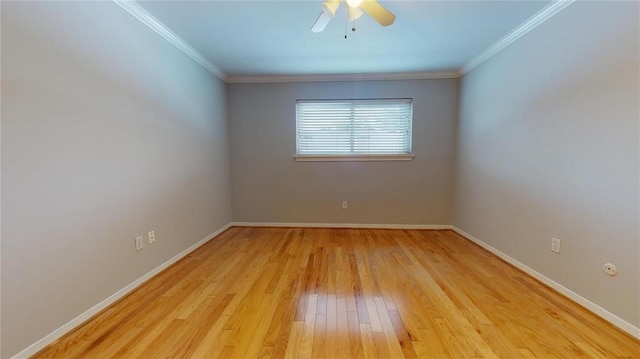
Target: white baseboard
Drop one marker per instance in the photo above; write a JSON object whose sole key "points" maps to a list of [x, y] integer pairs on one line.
{"points": [[72, 324], [341, 225], [594, 308]]}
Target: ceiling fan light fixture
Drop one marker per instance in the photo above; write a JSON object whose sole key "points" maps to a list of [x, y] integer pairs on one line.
{"points": [[354, 3], [353, 13]]}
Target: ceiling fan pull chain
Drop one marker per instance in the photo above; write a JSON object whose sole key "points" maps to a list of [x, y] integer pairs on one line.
{"points": [[346, 24]]}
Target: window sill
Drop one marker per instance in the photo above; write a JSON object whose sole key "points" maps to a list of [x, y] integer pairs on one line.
{"points": [[353, 158]]}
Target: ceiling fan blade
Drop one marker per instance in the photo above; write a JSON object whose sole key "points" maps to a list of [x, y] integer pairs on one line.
{"points": [[321, 22], [383, 16], [331, 6]]}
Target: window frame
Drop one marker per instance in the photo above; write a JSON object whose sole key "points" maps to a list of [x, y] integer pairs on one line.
{"points": [[333, 157]]}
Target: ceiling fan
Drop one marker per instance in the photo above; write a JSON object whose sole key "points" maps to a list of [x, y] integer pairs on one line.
{"points": [[355, 9]]}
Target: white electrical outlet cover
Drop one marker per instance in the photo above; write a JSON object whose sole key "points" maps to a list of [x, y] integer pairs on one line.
{"points": [[610, 269]]}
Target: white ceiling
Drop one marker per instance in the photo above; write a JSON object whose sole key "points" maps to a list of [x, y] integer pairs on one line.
{"points": [[253, 38]]}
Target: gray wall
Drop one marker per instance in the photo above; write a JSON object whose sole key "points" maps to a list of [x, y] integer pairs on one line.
{"points": [[548, 147], [268, 185], [108, 131]]}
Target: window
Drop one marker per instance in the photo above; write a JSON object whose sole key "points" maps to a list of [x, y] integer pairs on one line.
{"points": [[353, 130]]}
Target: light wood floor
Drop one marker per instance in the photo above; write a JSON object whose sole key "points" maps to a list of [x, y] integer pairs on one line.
{"points": [[299, 293]]}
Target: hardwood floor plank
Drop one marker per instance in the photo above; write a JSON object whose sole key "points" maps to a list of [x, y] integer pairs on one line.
{"points": [[355, 341], [342, 329], [227, 352], [404, 338], [366, 338], [389, 333], [283, 316], [343, 293], [212, 341], [332, 326], [319, 348], [306, 343], [295, 337]]}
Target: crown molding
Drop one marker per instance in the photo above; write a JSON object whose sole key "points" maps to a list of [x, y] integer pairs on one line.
{"points": [[137, 11], [543, 15], [427, 75], [154, 24]]}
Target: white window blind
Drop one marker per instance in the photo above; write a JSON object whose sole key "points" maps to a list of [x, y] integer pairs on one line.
{"points": [[353, 127]]}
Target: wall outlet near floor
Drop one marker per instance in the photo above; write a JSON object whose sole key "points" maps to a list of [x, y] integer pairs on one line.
{"points": [[555, 245], [151, 237], [344, 204], [610, 269], [139, 243]]}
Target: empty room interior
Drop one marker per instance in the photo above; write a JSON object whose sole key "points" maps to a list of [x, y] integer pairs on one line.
{"points": [[338, 179]]}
